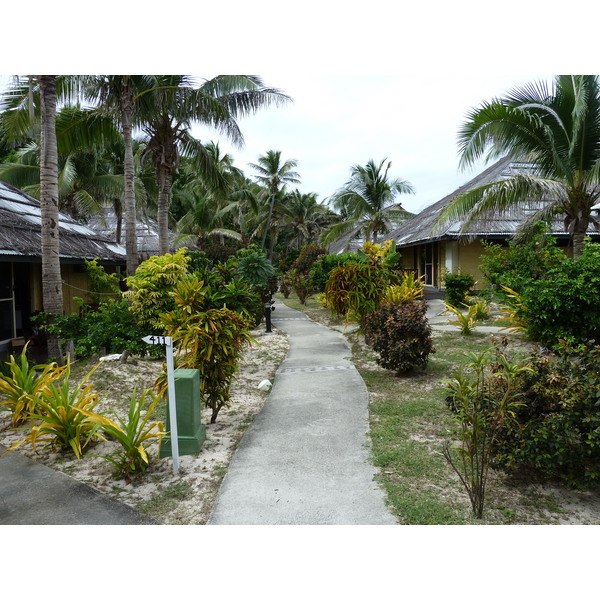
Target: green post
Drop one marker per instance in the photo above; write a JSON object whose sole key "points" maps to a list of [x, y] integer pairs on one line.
{"points": [[190, 431]]}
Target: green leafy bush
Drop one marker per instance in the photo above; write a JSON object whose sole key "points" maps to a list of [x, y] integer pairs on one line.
{"points": [[151, 286], [23, 384], [483, 395], [322, 267], [401, 336], [110, 328], [307, 257], [557, 428], [564, 305], [356, 290], [458, 286], [210, 340], [521, 262]]}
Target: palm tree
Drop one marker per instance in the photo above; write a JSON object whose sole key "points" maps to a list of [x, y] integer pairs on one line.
{"points": [[364, 199], [274, 176], [305, 217], [554, 127], [123, 96], [176, 106], [51, 277]]}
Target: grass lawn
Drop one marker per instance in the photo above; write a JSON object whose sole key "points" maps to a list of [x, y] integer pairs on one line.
{"points": [[410, 422]]}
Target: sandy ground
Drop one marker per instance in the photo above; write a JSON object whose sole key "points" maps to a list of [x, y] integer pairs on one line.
{"points": [[185, 498]]}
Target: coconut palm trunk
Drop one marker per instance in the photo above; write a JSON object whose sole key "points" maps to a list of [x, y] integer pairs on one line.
{"points": [[51, 277], [162, 213], [129, 174]]}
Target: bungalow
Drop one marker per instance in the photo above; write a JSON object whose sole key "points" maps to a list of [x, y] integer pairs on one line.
{"points": [[449, 249], [20, 261]]}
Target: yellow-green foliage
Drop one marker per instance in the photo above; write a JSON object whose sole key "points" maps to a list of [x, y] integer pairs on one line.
{"points": [[410, 288], [133, 435], [466, 321], [514, 314], [20, 390], [151, 286], [62, 416], [211, 341]]}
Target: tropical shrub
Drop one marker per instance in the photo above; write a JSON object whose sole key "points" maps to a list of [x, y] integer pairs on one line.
{"points": [[151, 286], [133, 435], [457, 287], [356, 290], [483, 395], [408, 289], [211, 341], [401, 336], [300, 283], [322, 267], [556, 430], [103, 286], [465, 320], [564, 305], [521, 262], [307, 257], [108, 329], [61, 416], [23, 384]]}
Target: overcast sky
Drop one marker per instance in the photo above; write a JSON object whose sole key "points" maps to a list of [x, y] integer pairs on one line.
{"points": [[337, 121]]}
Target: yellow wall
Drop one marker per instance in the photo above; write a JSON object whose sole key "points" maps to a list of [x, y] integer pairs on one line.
{"points": [[75, 285]]}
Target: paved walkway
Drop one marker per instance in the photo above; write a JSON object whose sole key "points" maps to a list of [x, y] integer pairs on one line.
{"points": [[33, 494], [305, 458]]}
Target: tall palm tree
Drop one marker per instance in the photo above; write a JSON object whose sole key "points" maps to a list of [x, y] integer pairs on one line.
{"points": [[305, 217], [51, 277], [274, 175], [217, 102], [363, 201], [123, 96], [556, 128]]}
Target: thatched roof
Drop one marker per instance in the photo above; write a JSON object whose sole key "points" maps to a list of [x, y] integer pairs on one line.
{"points": [[146, 230], [20, 233], [498, 226], [351, 241]]}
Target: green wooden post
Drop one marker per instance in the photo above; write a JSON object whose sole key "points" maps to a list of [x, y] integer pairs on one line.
{"points": [[191, 433]]}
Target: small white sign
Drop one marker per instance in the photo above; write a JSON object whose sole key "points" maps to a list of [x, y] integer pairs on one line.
{"points": [[158, 340]]}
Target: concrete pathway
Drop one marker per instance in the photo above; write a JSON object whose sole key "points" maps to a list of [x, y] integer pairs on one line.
{"points": [[305, 458], [33, 494]]}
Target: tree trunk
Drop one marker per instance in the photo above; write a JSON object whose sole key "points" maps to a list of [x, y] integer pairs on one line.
{"points": [[164, 192], [51, 277], [128, 170]]}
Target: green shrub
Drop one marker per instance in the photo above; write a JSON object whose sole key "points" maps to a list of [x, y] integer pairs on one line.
{"points": [[557, 429], [322, 267], [23, 384], [565, 304], [111, 328], [356, 290], [521, 262], [151, 286], [401, 336], [458, 286], [307, 257], [483, 395], [211, 341]]}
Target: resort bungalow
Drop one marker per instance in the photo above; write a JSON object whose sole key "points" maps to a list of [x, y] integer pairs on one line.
{"points": [[451, 250], [21, 268]]}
